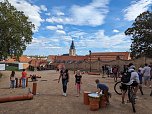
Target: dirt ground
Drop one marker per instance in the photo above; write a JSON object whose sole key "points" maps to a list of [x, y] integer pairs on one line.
{"points": [[49, 99]]}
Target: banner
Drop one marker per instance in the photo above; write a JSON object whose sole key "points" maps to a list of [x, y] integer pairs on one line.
{"points": [[2, 66]]}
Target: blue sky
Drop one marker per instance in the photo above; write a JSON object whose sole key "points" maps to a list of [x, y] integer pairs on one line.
{"points": [[96, 25]]}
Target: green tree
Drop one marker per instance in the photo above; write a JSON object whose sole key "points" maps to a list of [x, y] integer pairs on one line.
{"points": [[15, 31], [141, 33]]}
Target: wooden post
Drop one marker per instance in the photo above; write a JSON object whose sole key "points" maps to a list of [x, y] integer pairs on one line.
{"points": [[26, 82], [16, 79], [20, 83], [34, 88]]}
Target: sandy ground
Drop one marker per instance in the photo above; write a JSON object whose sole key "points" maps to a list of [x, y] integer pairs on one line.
{"points": [[49, 99]]}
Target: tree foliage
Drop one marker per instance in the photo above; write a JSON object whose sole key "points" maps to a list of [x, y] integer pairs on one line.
{"points": [[141, 33], [15, 31]]}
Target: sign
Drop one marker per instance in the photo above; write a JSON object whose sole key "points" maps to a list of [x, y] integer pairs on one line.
{"points": [[2, 66]]}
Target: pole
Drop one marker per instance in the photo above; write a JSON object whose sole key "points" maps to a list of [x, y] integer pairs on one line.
{"points": [[90, 59]]}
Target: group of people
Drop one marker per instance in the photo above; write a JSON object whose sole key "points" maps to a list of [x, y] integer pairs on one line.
{"points": [[64, 74], [13, 79], [136, 79], [78, 81]]}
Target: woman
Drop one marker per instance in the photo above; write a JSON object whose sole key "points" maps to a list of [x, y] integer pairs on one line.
{"points": [[65, 79]]}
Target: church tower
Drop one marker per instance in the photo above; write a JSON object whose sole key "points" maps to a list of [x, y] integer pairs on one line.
{"points": [[72, 50]]}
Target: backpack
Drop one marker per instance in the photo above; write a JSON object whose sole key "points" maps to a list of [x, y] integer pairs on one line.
{"points": [[126, 77]]}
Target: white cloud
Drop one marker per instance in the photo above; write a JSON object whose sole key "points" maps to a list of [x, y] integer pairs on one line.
{"points": [[43, 8], [116, 31], [92, 14], [32, 11], [60, 32], [52, 27], [136, 8], [48, 14], [59, 26], [59, 13]]}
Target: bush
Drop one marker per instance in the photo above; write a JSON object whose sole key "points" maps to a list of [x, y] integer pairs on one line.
{"points": [[11, 68]]}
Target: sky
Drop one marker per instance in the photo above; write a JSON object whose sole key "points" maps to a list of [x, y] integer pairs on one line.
{"points": [[96, 25]]}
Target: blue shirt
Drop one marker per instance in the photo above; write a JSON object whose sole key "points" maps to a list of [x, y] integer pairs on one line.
{"points": [[102, 86]]}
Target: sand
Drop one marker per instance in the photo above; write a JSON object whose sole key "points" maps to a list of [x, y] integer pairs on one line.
{"points": [[49, 99]]}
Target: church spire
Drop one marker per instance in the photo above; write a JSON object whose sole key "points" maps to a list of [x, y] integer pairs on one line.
{"points": [[72, 45], [72, 50]]}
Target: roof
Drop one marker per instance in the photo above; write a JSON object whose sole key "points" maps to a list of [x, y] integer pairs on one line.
{"points": [[24, 59], [111, 55]]}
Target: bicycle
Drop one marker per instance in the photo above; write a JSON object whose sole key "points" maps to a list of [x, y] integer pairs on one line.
{"points": [[117, 88], [130, 90]]}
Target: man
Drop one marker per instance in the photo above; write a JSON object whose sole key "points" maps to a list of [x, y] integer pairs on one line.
{"points": [[102, 88], [134, 81], [146, 75]]}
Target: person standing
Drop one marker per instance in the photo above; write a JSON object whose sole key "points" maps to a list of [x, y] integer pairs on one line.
{"points": [[24, 76], [146, 75], [12, 79], [115, 73], [65, 79], [78, 82]]}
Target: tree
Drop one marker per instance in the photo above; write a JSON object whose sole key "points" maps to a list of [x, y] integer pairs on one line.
{"points": [[15, 31], [141, 33]]}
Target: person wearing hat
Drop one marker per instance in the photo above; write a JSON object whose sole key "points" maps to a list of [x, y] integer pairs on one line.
{"points": [[134, 81]]}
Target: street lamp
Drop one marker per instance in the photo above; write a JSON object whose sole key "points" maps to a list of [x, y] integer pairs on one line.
{"points": [[90, 59]]}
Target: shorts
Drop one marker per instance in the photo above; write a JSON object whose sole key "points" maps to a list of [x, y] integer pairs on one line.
{"points": [[124, 86], [146, 78], [78, 85]]}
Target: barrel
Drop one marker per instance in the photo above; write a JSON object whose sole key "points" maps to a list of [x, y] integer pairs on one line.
{"points": [[94, 102], [85, 97], [103, 101]]}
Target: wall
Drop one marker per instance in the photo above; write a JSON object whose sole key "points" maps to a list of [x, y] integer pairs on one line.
{"points": [[96, 65]]}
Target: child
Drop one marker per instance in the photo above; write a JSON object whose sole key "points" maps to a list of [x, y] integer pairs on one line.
{"points": [[104, 88], [12, 79], [78, 82]]}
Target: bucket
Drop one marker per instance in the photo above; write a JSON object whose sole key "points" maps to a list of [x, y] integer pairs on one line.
{"points": [[85, 97]]}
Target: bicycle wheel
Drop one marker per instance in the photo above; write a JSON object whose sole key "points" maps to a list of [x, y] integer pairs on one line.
{"points": [[117, 88], [132, 99]]}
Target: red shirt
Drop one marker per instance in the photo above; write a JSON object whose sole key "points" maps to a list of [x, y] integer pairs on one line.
{"points": [[24, 74]]}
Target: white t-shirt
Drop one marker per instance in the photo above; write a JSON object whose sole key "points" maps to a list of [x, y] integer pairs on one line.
{"points": [[146, 71], [134, 77]]}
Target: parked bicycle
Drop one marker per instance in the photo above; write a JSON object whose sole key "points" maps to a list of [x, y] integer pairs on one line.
{"points": [[130, 89]]}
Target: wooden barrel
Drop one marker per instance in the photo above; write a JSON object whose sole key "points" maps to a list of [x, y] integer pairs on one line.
{"points": [[103, 101], [94, 101], [85, 97]]}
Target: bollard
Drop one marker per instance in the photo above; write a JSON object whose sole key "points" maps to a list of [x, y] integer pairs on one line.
{"points": [[20, 83], [16, 79], [26, 82], [34, 88]]}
